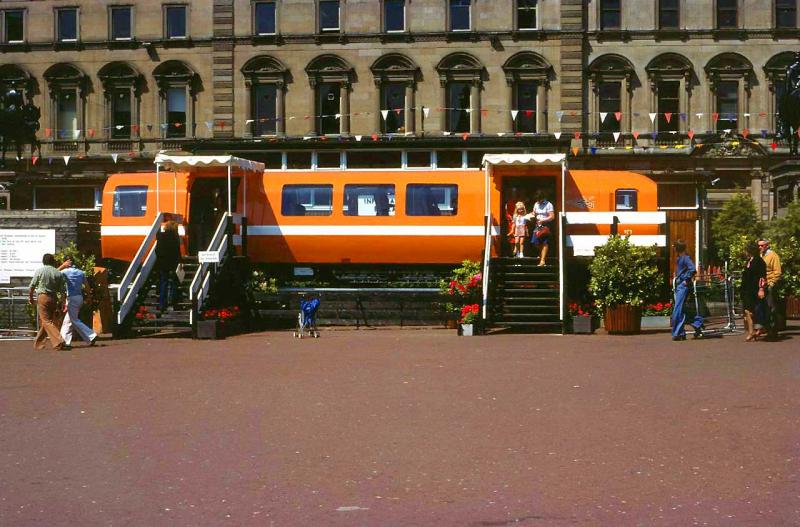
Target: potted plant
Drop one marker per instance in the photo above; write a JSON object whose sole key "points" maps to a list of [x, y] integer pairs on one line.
{"points": [[784, 235], [469, 316], [623, 277], [657, 315], [462, 290], [582, 316], [218, 323]]}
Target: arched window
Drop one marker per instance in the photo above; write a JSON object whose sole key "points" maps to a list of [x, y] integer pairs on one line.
{"points": [[122, 87], [396, 79], [528, 76], [331, 78], [775, 69], [611, 79], [68, 88], [178, 86], [265, 78], [461, 77], [16, 78], [670, 77], [729, 78]]}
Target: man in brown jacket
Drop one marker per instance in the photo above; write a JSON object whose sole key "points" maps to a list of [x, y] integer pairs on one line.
{"points": [[776, 313]]}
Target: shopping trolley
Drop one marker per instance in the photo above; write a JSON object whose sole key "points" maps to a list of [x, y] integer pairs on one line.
{"points": [[714, 297], [307, 318]]}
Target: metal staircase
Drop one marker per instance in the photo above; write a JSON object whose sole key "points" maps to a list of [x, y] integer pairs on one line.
{"points": [[523, 296]]}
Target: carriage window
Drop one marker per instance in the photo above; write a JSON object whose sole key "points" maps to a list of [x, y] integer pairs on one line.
{"points": [[130, 201], [431, 200], [626, 200], [307, 200], [368, 200]]}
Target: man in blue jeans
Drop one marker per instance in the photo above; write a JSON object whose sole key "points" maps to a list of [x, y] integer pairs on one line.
{"points": [[684, 274]]}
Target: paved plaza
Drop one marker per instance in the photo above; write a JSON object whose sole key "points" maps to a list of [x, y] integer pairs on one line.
{"points": [[402, 427]]}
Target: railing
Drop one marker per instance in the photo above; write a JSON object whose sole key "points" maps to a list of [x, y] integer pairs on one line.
{"points": [[15, 323], [138, 271], [201, 283], [487, 258]]}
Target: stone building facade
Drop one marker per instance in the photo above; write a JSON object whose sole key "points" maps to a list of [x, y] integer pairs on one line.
{"points": [[374, 83]]}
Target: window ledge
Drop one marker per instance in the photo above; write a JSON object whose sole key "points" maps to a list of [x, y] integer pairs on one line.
{"points": [[786, 32], [613, 34], [14, 46], [672, 34], [729, 34], [61, 45], [274, 39], [322, 38], [177, 43], [130, 43], [462, 36], [396, 36], [527, 34]]}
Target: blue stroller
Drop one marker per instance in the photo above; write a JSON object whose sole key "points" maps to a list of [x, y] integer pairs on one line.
{"points": [[307, 318]]}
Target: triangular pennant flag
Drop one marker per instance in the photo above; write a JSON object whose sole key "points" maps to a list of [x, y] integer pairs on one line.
{"points": [[636, 135], [66, 160], [745, 133], [575, 150], [616, 136], [593, 150], [91, 132], [683, 116], [306, 137], [384, 114], [514, 114], [114, 157], [49, 160], [557, 135], [603, 116], [690, 133], [654, 135], [501, 134], [338, 116], [653, 117], [76, 134], [699, 115], [715, 116], [358, 138], [528, 113], [398, 110], [576, 135], [178, 125], [764, 133], [135, 128], [374, 137], [426, 111], [248, 121], [118, 127], [163, 126], [446, 132], [774, 145], [465, 135], [746, 114], [726, 130], [149, 127], [559, 115], [34, 159], [468, 110], [668, 116], [762, 114], [618, 116], [485, 112]]}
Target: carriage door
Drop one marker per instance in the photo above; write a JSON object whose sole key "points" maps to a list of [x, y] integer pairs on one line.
{"points": [[524, 189], [208, 201]]}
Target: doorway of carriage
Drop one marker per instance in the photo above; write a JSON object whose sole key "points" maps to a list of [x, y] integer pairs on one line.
{"points": [[681, 202], [525, 189], [208, 201]]}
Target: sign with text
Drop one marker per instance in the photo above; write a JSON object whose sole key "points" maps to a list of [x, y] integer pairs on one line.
{"points": [[21, 250], [208, 257]]}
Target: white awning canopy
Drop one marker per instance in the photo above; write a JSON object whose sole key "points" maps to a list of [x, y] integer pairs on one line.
{"points": [[182, 161], [523, 159]]}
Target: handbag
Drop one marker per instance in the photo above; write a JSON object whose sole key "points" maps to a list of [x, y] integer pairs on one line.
{"points": [[180, 272], [541, 231]]}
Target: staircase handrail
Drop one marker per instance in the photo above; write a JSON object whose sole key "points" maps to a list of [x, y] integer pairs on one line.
{"points": [[198, 290], [138, 272], [487, 257], [133, 268]]}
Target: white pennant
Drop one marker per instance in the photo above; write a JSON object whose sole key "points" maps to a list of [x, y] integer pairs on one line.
{"points": [[653, 117], [699, 115], [384, 113], [446, 133], [426, 111], [358, 137], [727, 130], [603, 116], [557, 135], [248, 121], [119, 127], [338, 116], [468, 110], [514, 114], [66, 160], [114, 157], [501, 134], [306, 138], [616, 136]]}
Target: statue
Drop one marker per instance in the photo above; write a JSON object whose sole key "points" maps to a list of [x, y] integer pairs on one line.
{"points": [[789, 105], [19, 122]]}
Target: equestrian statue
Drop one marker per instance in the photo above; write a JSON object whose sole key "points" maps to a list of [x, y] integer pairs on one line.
{"points": [[19, 122], [789, 105]]}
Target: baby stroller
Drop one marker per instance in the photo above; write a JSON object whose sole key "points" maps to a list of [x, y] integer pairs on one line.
{"points": [[307, 318]]}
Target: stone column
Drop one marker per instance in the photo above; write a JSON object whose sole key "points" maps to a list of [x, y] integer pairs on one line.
{"points": [[408, 110], [312, 108], [541, 107], [445, 110], [475, 107], [280, 110], [344, 109]]}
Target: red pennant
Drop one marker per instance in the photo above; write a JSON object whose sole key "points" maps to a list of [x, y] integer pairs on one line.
{"points": [[178, 125], [577, 135], [636, 135], [774, 145], [374, 137], [762, 114], [715, 116], [48, 132], [690, 133], [135, 128], [573, 113], [745, 133], [91, 132], [35, 159], [323, 138], [465, 136], [306, 117], [618, 115], [398, 110], [518, 134], [528, 113], [668, 116], [484, 112]]}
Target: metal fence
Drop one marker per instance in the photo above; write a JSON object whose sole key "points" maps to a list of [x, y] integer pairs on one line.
{"points": [[716, 298], [16, 323]]}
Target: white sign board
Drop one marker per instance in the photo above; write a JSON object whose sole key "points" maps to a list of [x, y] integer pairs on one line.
{"points": [[208, 257], [21, 250]]}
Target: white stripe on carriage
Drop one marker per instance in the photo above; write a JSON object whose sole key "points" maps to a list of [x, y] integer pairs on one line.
{"points": [[365, 230], [132, 230]]}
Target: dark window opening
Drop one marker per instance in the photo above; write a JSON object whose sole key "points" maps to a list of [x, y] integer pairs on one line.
{"points": [[626, 199], [121, 28], [727, 105], [65, 197], [526, 14], [272, 160], [460, 15], [727, 14], [67, 25], [14, 26], [176, 112], [265, 18], [67, 114], [372, 159], [431, 200], [298, 160], [329, 160], [416, 159], [328, 108], [610, 95], [176, 21], [121, 115], [328, 15], [265, 109], [610, 14], [525, 95], [669, 14], [458, 102], [449, 159], [307, 200], [474, 158], [130, 201], [668, 103], [786, 14], [393, 101], [394, 15], [369, 200]]}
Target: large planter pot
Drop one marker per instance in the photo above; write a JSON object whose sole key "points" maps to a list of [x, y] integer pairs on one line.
{"points": [[582, 325], [623, 320], [656, 322], [467, 330], [793, 307], [208, 330]]}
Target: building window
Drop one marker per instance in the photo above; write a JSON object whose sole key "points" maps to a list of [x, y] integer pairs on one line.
{"points": [[121, 114], [122, 86], [526, 14], [265, 78], [775, 70], [130, 201], [394, 15], [727, 105], [307, 200], [525, 99], [669, 102], [12, 29], [328, 107], [369, 200], [176, 112], [175, 21], [610, 14], [330, 78], [785, 14], [12, 77], [65, 197], [431, 200], [669, 14], [67, 86], [265, 98], [458, 107], [460, 15], [727, 14], [329, 15], [177, 88], [626, 199], [461, 77], [610, 102], [121, 23], [264, 18], [396, 76], [394, 105], [66, 102], [67, 24]]}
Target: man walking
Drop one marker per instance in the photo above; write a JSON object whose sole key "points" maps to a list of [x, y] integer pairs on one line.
{"points": [[47, 283], [76, 284], [773, 262], [685, 272]]}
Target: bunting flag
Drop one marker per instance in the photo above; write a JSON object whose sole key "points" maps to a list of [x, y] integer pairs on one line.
{"points": [[446, 132], [559, 115], [66, 160], [35, 159], [135, 128], [603, 116], [249, 121], [501, 134], [653, 117], [426, 111], [398, 110], [528, 113], [764, 133], [683, 117], [593, 150], [150, 127], [745, 133], [76, 134], [618, 116], [636, 135], [118, 127], [746, 114], [690, 133], [668, 116], [715, 116], [91, 132], [468, 110], [374, 137], [727, 130], [358, 138], [557, 135], [575, 150], [485, 112], [699, 115], [114, 157], [338, 116], [384, 114], [654, 135], [514, 115], [465, 136], [48, 132], [774, 145], [163, 126], [616, 136]]}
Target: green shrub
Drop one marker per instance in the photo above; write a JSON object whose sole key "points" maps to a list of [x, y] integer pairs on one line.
{"points": [[623, 273], [784, 235], [738, 218]]}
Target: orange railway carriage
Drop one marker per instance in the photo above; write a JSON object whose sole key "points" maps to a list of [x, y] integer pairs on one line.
{"points": [[344, 217]]}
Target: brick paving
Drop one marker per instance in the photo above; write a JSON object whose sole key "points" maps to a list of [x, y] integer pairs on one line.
{"points": [[402, 427]]}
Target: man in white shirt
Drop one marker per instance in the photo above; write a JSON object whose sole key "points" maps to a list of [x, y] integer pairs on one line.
{"points": [[545, 213]]}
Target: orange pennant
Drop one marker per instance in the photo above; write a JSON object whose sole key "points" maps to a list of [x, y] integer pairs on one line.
{"points": [[575, 150]]}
